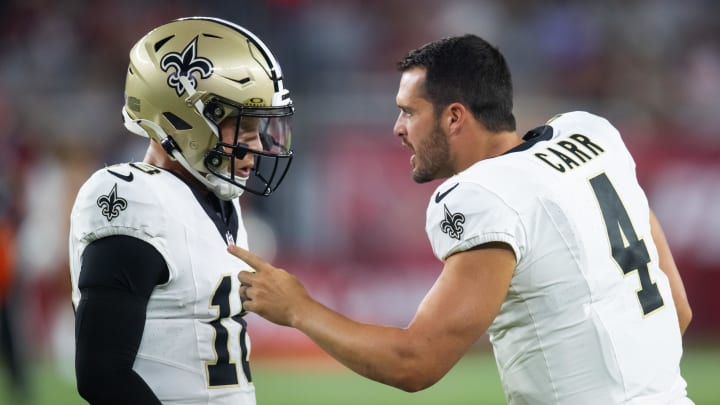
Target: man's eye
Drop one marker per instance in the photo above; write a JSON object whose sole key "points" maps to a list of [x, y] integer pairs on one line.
{"points": [[247, 138]]}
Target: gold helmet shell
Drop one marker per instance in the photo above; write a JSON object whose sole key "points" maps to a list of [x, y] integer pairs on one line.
{"points": [[188, 75]]}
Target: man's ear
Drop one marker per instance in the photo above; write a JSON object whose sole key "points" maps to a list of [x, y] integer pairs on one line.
{"points": [[454, 118]]}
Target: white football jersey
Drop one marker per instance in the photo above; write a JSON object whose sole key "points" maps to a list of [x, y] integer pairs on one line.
{"points": [[194, 348], [589, 316]]}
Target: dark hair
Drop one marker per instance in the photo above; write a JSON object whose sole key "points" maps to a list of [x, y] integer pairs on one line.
{"points": [[466, 69]]}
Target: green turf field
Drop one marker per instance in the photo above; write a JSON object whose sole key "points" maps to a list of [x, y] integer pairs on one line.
{"points": [[473, 381]]}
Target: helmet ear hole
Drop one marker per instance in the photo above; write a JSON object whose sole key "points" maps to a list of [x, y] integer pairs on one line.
{"points": [[213, 159], [214, 111]]}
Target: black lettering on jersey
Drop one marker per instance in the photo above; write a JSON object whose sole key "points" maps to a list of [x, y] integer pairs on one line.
{"points": [[590, 145], [111, 204], [565, 158], [544, 158], [452, 224], [572, 148], [580, 150]]}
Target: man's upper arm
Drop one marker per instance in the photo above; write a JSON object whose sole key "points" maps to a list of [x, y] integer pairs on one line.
{"points": [[122, 262], [464, 301], [117, 277]]}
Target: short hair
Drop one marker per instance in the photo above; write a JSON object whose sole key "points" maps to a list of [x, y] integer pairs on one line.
{"points": [[466, 69]]}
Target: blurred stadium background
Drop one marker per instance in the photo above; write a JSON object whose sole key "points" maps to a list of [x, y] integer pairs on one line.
{"points": [[348, 219]]}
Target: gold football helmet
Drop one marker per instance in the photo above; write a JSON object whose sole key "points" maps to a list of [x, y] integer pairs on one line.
{"points": [[191, 74]]}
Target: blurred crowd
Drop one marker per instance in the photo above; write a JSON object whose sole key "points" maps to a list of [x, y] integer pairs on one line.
{"points": [[651, 67]]}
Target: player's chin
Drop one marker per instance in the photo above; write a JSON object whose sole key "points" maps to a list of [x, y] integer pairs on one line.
{"points": [[421, 176], [241, 180]]}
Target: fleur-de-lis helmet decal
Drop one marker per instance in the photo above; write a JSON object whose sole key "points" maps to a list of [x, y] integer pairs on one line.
{"points": [[185, 65], [452, 224]]}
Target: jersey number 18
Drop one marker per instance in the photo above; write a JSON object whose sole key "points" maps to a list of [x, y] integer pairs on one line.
{"points": [[224, 372]]}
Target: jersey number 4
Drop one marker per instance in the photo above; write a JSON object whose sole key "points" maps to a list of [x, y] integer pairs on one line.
{"points": [[224, 372], [629, 252]]}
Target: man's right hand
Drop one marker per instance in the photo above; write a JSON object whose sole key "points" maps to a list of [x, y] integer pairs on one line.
{"points": [[270, 292]]}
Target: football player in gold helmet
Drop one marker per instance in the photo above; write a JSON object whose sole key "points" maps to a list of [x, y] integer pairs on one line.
{"points": [[158, 318]]}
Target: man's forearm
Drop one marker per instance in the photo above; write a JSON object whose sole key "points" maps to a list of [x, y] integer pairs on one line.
{"points": [[380, 353]]}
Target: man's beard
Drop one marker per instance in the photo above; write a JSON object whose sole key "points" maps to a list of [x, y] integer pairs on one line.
{"points": [[435, 156]]}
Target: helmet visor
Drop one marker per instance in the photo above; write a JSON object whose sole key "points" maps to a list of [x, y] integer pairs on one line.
{"points": [[262, 139], [272, 123]]}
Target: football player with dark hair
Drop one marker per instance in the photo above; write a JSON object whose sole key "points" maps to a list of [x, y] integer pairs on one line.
{"points": [[547, 243], [158, 315]]}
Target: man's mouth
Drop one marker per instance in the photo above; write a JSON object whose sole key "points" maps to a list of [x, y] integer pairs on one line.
{"points": [[412, 157], [243, 172]]}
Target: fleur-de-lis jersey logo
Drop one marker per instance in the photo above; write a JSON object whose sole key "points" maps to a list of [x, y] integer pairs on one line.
{"points": [[185, 65], [452, 224], [111, 204]]}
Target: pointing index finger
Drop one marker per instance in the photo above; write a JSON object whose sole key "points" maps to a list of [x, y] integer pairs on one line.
{"points": [[251, 259]]}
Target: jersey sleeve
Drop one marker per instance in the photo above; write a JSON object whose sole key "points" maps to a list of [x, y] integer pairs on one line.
{"points": [[108, 205], [465, 215]]}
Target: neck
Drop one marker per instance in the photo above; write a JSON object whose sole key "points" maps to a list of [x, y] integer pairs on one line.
{"points": [[156, 156], [490, 145]]}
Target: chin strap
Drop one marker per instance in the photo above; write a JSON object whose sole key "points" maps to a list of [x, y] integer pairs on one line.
{"points": [[221, 188]]}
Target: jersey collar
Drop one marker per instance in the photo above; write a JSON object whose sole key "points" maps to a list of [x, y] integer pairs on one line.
{"points": [[541, 133]]}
